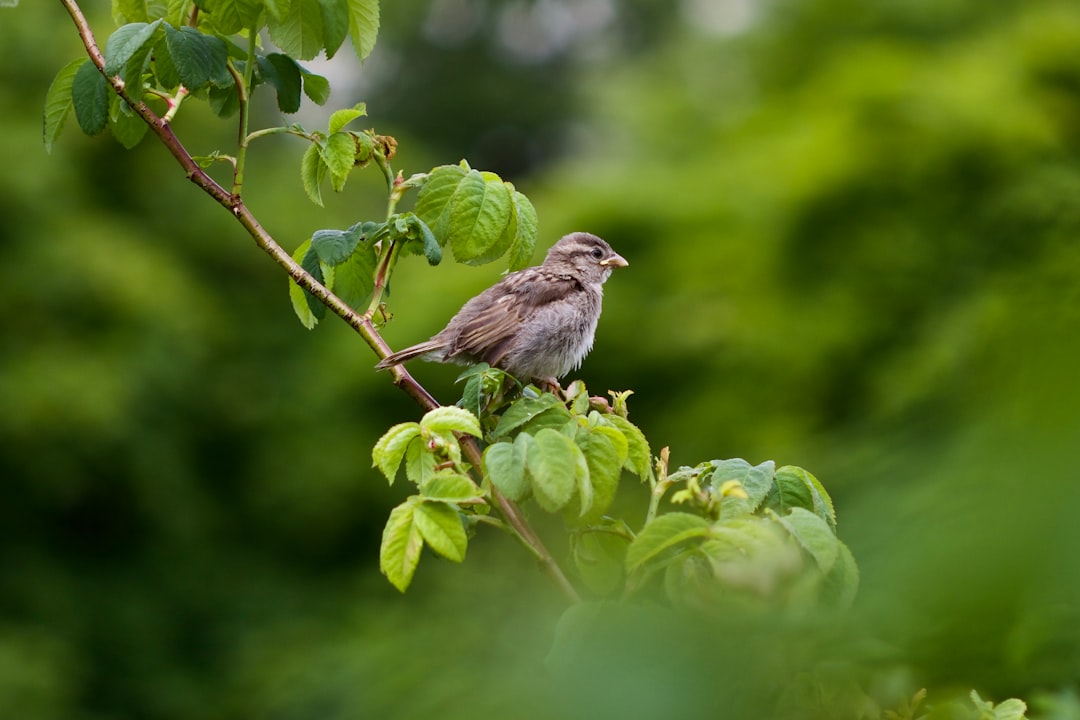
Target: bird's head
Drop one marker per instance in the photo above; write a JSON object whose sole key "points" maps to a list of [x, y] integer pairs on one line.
{"points": [[584, 256]]}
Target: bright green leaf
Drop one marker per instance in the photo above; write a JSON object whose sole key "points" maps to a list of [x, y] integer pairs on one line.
{"points": [[433, 200], [340, 118], [450, 487], [419, 462], [299, 33], [90, 97], [312, 173], [390, 449], [232, 16], [505, 465], [316, 87], [605, 467], [664, 533], [363, 25], [399, 552], [298, 296], [339, 152], [479, 211], [522, 411], [525, 224], [552, 460], [58, 103], [638, 455], [440, 526], [451, 419]]}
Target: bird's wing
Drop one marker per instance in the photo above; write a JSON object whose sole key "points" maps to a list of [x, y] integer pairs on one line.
{"points": [[499, 312]]}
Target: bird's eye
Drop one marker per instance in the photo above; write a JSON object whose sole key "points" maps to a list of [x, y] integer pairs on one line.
{"points": [[597, 253]]}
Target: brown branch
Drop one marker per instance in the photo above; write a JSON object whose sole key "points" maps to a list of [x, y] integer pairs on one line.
{"points": [[362, 324]]}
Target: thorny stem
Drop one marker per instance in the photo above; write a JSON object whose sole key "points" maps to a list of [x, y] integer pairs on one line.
{"points": [[362, 324]]}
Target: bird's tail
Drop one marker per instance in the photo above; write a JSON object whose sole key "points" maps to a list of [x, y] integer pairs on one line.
{"points": [[408, 353]]}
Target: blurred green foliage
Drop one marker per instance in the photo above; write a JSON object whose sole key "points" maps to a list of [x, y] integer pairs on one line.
{"points": [[852, 233]]}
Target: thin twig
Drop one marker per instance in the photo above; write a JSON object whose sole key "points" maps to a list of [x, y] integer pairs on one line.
{"points": [[362, 324]]}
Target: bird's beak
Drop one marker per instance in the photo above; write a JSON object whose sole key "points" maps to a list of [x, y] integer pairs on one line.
{"points": [[614, 260]]}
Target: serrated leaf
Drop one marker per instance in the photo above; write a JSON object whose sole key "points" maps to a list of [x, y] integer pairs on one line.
{"points": [[335, 246], [232, 16], [164, 68], [316, 87], [339, 153], [419, 462], [525, 227], [198, 58], [440, 526], [433, 200], [299, 32], [363, 25], [552, 460], [401, 544], [821, 503], [90, 97], [390, 449], [605, 467], [638, 455], [58, 103], [662, 534], [450, 487], [125, 125], [505, 466], [814, 535], [451, 419], [355, 278], [756, 480], [125, 42], [312, 173], [283, 74], [298, 296], [335, 20], [479, 211], [340, 118], [522, 411]]}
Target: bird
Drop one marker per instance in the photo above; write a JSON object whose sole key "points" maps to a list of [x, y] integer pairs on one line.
{"points": [[535, 324]]}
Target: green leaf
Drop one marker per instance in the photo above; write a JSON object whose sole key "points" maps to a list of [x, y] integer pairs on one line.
{"points": [[127, 127], [662, 534], [335, 246], [339, 153], [310, 262], [232, 16], [638, 455], [312, 172], [199, 59], [525, 225], [390, 449], [335, 20], [552, 460], [316, 87], [451, 419], [756, 480], [363, 25], [299, 32], [821, 503], [283, 74], [355, 278], [605, 467], [399, 552], [340, 118], [164, 68], [450, 487], [600, 558], [522, 411], [125, 42], [842, 581], [796, 488], [480, 211], [90, 97], [432, 251], [440, 526], [298, 296], [433, 200], [419, 462], [814, 535], [58, 103], [277, 8], [129, 11], [505, 463]]}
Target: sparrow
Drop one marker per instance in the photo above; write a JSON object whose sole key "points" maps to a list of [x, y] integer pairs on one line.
{"points": [[537, 323]]}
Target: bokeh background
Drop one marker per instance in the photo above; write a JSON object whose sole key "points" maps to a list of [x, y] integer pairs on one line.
{"points": [[853, 240]]}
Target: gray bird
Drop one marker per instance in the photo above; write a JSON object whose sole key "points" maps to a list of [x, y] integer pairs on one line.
{"points": [[537, 323]]}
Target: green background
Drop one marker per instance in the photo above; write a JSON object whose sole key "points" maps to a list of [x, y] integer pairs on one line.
{"points": [[852, 233]]}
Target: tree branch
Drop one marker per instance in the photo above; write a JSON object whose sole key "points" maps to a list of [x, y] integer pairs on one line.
{"points": [[362, 324]]}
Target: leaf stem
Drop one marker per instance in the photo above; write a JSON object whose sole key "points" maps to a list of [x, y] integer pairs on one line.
{"points": [[243, 84]]}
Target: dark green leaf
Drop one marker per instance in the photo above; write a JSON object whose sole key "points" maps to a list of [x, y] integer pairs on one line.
{"points": [[505, 466], [390, 449], [399, 552], [440, 526], [432, 251], [164, 68], [363, 25], [662, 534], [90, 96], [125, 125], [198, 58], [125, 42], [283, 74], [355, 278], [58, 103], [232, 16], [310, 262], [335, 246], [223, 101], [552, 460], [335, 20], [297, 295]]}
